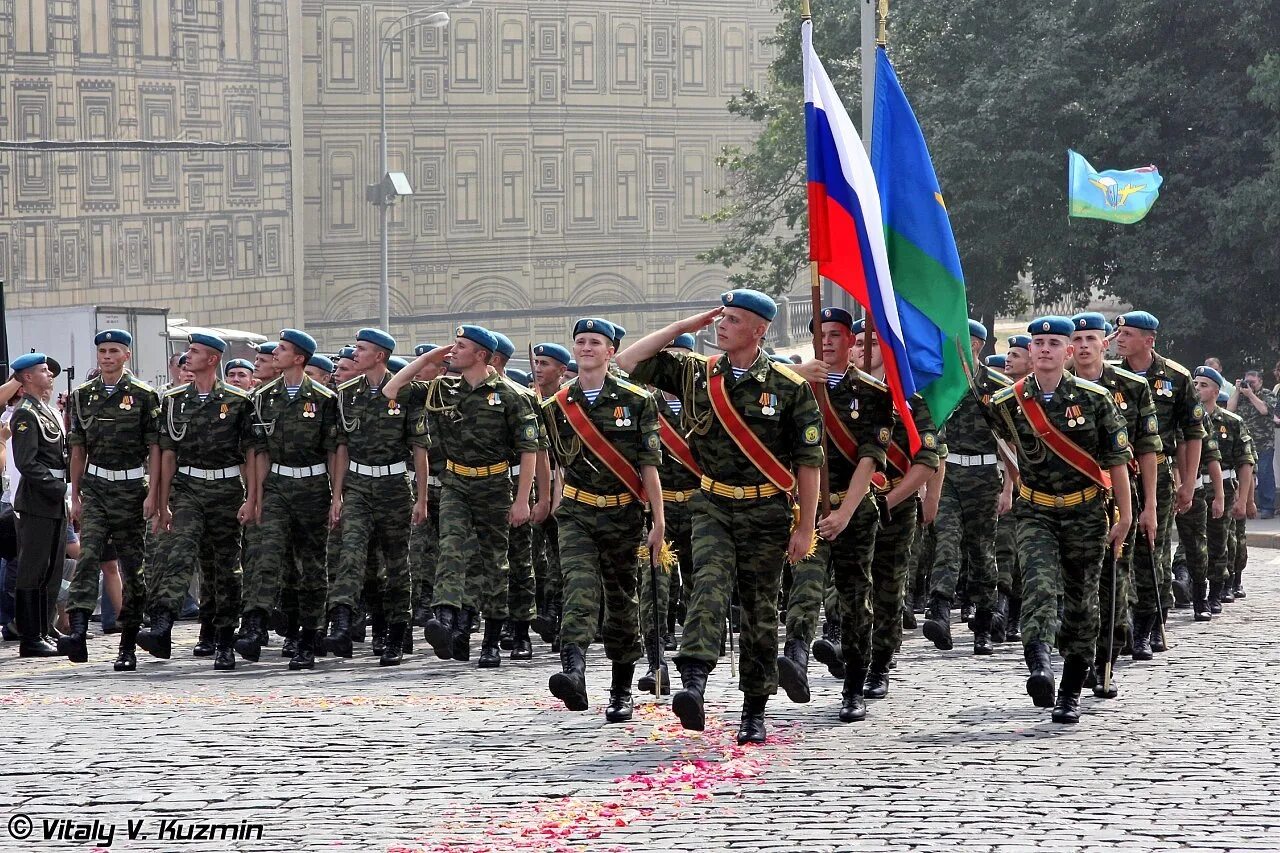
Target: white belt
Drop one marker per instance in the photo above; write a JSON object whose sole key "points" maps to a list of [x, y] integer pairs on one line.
{"points": [[210, 473], [299, 473], [971, 461], [117, 476], [433, 480], [379, 470], [58, 473], [1228, 474]]}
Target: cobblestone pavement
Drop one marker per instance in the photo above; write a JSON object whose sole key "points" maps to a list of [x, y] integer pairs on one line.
{"points": [[439, 757]]}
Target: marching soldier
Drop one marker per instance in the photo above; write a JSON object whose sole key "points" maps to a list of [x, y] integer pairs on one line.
{"points": [[1015, 364], [1073, 449], [1235, 446], [424, 538], [1179, 414], [550, 361], [601, 516], [205, 430], [114, 438], [756, 432]]}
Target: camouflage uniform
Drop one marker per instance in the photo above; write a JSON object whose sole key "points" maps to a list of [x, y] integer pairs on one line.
{"points": [[738, 539], [117, 431], [208, 439], [598, 543], [296, 437], [1191, 525], [678, 486], [1062, 547], [424, 538], [1235, 446], [522, 585]]}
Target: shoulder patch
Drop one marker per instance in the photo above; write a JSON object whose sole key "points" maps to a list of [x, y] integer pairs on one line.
{"points": [[177, 389], [796, 378], [1092, 387], [262, 389], [138, 383], [26, 405], [868, 379], [84, 385], [1002, 395], [1127, 374], [999, 378], [236, 392], [350, 383], [323, 390], [1230, 415], [1174, 367], [631, 386]]}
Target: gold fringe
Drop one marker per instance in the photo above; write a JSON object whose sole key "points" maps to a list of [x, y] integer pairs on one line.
{"points": [[666, 557], [795, 522]]}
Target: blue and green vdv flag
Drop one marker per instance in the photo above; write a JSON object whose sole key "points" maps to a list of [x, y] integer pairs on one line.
{"points": [[1114, 195]]}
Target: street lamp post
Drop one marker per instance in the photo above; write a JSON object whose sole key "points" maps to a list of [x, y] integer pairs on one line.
{"points": [[384, 193]]}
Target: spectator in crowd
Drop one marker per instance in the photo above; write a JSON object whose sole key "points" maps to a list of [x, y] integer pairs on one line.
{"points": [[1256, 404]]}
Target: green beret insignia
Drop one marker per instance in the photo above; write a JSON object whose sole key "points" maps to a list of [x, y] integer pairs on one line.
{"points": [[811, 435]]}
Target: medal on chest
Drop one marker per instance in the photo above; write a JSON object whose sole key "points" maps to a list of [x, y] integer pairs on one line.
{"points": [[308, 409], [126, 402], [1075, 417], [854, 405], [1121, 403], [222, 411], [1222, 431], [768, 404], [621, 416], [494, 399], [393, 407], [1164, 388]]}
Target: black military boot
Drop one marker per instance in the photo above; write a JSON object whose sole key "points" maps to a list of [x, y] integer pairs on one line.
{"points": [[224, 649], [1142, 625], [876, 685], [406, 645], [657, 668], [289, 647], [249, 641], [393, 644], [1040, 683], [157, 640], [490, 652], [1013, 625], [1201, 597], [1158, 640], [544, 623], [421, 613], [127, 658], [359, 625], [982, 644], [908, 616], [826, 649], [1226, 593], [1238, 592], [793, 670], [999, 617], [751, 729], [1102, 688], [687, 704], [1182, 585], [27, 616], [521, 646], [305, 656], [379, 644], [506, 642], [937, 622], [570, 684], [1067, 708], [853, 705], [339, 639], [439, 631], [461, 638], [1212, 598], [620, 705], [966, 613], [206, 643], [74, 644]]}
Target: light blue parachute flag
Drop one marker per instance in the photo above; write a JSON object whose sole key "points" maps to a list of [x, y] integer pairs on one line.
{"points": [[1113, 195]]}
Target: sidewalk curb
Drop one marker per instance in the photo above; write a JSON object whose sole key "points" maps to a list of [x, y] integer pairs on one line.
{"points": [[1263, 540]]}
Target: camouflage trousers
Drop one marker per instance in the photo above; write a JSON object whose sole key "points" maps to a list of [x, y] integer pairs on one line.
{"points": [[205, 532], [1219, 535], [1123, 590], [1238, 555], [1193, 536], [424, 549], [111, 513], [852, 555], [816, 581], [522, 585], [472, 568], [925, 552], [746, 541], [680, 534], [377, 511], [289, 547], [369, 589], [965, 531], [1148, 598], [598, 557], [889, 568], [1062, 552], [810, 580], [546, 562], [1010, 571]]}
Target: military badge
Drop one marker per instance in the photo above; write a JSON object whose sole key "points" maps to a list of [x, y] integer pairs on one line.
{"points": [[929, 440], [1118, 396], [22, 426], [811, 435], [222, 412], [1197, 412], [1075, 417], [768, 404], [1153, 425], [621, 416], [308, 409], [652, 442], [854, 405], [885, 435], [1122, 439], [126, 402], [494, 399], [393, 408]]}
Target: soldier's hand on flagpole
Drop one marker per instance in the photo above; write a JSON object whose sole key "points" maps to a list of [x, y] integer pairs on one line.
{"points": [[656, 534], [1147, 520], [813, 371], [1118, 533]]}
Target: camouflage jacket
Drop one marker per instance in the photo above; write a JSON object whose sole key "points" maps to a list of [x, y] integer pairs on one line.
{"points": [[862, 404], [1084, 412], [932, 451], [1235, 445], [212, 434], [1132, 396], [116, 430], [627, 416], [966, 430], [491, 423], [376, 431], [531, 397], [297, 432], [775, 402], [1177, 407], [674, 475], [1210, 451], [1261, 427]]}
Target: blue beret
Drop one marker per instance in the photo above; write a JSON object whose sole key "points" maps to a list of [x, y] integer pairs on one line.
{"points": [[594, 325], [1089, 321], [478, 335], [834, 315], [243, 364], [215, 342], [555, 351], [321, 362], [265, 349], [619, 332], [750, 300], [396, 364], [1139, 320], [28, 360], [977, 330], [859, 326], [505, 347], [1209, 373], [113, 336], [685, 341], [1023, 341], [518, 376], [423, 349], [299, 339], [347, 352], [1050, 325], [1223, 398], [378, 338], [996, 361], [1110, 328], [573, 367]]}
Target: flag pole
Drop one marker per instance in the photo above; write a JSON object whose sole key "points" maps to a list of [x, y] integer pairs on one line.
{"points": [[875, 16], [815, 304]]}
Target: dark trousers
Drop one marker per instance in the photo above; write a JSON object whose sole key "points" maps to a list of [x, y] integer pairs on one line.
{"points": [[42, 546]]}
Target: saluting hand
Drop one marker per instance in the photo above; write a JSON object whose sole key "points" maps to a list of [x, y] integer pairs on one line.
{"points": [[700, 321]]}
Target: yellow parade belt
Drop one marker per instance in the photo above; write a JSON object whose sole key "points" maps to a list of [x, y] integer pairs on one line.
{"points": [[600, 501], [1058, 501], [678, 496], [473, 471], [837, 498], [724, 490]]}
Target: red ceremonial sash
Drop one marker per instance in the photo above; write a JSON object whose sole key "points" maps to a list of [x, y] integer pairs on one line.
{"points": [[600, 446], [1065, 448], [843, 439], [898, 457], [748, 442], [677, 446]]}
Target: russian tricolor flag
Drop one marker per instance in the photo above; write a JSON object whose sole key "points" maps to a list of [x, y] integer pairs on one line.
{"points": [[846, 230]]}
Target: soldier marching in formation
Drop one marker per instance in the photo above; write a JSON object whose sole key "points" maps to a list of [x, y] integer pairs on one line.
{"points": [[614, 493]]}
